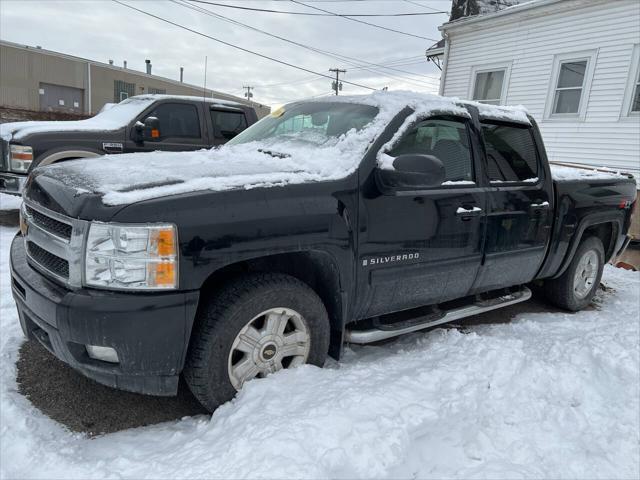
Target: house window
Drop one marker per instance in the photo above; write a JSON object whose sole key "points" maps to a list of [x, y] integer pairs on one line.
{"points": [[631, 104], [635, 99], [570, 83], [488, 86], [569, 86], [123, 95]]}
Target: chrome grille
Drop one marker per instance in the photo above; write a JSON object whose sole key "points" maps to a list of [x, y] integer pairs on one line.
{"points": [[58, 266], [54, 243], [51, 225]]}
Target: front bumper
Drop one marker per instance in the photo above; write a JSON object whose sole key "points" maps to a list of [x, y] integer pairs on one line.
{"points": [[12, 183], [150, 332]]}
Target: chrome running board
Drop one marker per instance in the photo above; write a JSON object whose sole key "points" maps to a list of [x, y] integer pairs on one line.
{"points": [[376, 334]]}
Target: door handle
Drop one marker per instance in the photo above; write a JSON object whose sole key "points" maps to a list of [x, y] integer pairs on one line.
{"points": [[539, 206], [468, 212]]}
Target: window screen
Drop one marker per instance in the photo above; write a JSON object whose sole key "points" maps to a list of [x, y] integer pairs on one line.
{"points": [[511, 153], [177, 120], [446, 139], [227, 124], [488, 87]]}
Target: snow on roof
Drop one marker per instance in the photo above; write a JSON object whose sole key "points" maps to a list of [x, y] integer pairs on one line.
{"points": [[192, 98], [129, 178], [108, 119]]}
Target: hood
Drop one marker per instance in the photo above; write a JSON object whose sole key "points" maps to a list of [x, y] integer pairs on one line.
{"points": [[128, 178], [112, 119]]}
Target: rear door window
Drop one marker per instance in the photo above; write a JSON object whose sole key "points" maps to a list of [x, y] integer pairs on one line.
{"points": [[445, 139], [227, 124], [511, 153], [177, 120]]}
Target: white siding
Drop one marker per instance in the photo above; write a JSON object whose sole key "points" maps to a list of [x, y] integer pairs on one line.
{"points": [[606, 135]]}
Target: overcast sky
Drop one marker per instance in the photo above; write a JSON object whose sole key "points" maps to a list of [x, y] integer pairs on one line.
{"points": [[103, 30]]}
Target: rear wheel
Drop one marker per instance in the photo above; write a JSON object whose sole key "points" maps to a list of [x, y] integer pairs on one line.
{"points": [[254, 326], [575, 288]]}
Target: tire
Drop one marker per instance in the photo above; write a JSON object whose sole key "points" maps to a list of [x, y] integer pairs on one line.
{"points": [[572, 293], [239, 330]]}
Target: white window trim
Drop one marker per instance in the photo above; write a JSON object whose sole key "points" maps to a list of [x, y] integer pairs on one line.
{"points": [[506, 67], [591, 57], [632, 79], [126, 95]]}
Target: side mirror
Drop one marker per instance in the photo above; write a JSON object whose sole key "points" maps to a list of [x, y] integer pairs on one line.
{"points": [[149, 130], [411, 172]]}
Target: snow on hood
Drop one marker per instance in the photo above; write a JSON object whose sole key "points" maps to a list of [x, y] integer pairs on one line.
{"points": [[123, 179], [113, 118]]}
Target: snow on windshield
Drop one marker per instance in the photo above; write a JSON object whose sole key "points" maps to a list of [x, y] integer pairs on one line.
{"points": [[292, 158], [113, 118]]}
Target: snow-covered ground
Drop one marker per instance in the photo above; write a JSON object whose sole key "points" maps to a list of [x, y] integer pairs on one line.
{"points": [[549, 395]]}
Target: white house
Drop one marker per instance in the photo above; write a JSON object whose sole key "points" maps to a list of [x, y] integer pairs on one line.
{"points": [[575, 65]]}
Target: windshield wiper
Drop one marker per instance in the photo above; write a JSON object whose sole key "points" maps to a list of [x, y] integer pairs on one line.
{"points": [[274, 154]]}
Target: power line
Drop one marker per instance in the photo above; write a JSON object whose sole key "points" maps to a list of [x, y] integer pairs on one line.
{"points": [[327, 14], [235, 46], [424, 6], [337, 56], [348, 17]]}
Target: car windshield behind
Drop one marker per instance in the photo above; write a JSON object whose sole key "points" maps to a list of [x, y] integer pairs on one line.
{"points": [[314, 123], [122, 113]]}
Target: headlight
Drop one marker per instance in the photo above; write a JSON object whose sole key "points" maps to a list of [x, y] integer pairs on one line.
{"points": [[21, 158], [131, 257]]}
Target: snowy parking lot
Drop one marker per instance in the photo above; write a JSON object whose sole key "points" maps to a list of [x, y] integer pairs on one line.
{"points": [[546, 395]]}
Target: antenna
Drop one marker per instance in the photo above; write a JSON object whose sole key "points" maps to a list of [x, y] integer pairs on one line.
{"points": [[204, 88]]}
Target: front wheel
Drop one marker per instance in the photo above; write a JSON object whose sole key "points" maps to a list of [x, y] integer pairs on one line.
{"points": [[575, 288], [254, 326]]}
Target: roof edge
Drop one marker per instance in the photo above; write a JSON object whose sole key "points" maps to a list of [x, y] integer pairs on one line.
{"points": [[521, 8]]}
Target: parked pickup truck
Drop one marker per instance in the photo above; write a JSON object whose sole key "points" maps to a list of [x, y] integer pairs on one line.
{"points": [[354, 220], [138, 124]]}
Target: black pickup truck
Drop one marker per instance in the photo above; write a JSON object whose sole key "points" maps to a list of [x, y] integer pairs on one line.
{"points": [[138, 124], [330, 221]]}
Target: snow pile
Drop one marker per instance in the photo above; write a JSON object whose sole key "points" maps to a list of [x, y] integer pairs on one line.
{"points": [[9, 202], [561, 172], [549, 395]]}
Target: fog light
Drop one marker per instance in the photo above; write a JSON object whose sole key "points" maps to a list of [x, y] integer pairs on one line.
{"points": [[106, 354]]}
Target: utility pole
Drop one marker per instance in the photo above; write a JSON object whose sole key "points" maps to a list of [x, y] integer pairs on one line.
{"points": [[249, 95], [337, 84]]}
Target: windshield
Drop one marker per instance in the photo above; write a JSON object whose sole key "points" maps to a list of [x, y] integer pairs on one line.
{"points": [[125, 111], [315, 123]]}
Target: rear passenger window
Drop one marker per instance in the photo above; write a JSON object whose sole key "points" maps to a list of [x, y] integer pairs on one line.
{"points": [[511, 153], [177, 120], [227, 124], [446, 139]]}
